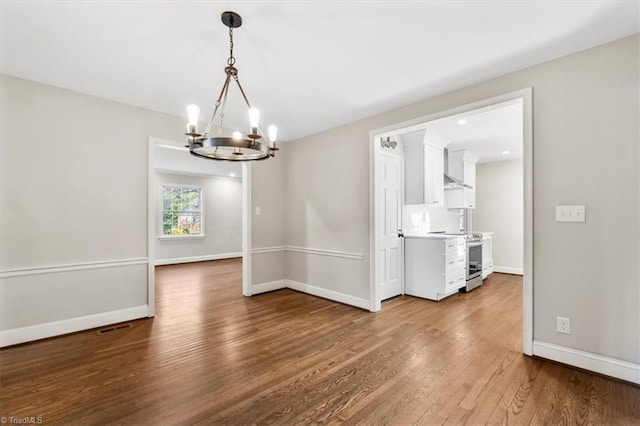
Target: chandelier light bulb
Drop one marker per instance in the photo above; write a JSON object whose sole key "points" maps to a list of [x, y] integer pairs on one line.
{"points": [[193, 112], [272, 131], [236, 136], [254, 117]]}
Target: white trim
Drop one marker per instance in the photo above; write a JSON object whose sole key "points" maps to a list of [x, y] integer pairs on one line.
{"points": [[269, 286], [527, 164], [308, 250], [182, 237], [322, 252], [508, 270], [247, 278], [56, 328], [420, 123], [312, 290], [328, 294], [273, 249], [38, 270], [589, 361], [193, 174], [177, 260], [375, 302]]}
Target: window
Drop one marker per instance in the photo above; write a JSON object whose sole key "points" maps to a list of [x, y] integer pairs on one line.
{"points": [[181, 211]]}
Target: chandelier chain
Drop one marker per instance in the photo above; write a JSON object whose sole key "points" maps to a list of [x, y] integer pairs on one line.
{"points": [[231, 61]]}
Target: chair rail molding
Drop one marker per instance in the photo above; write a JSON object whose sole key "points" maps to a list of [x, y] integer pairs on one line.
{"points": [[309, 250], [51, 269]]}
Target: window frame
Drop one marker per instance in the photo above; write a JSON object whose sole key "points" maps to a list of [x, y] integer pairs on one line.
{"points": [[161, 235]]}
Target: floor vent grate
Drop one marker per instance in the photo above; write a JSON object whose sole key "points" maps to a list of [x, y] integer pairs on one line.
{"points": [[113, 328]]}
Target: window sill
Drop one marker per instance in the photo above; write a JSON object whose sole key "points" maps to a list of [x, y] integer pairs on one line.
{"points": [[180, 237]]}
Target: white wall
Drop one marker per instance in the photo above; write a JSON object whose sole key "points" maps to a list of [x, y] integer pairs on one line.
{"points": [[499, 209], [222, 201], [586, 140], [74, 202], [419, 219]]}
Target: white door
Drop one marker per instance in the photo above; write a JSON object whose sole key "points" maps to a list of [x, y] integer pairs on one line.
{"points": [[389, 196]]}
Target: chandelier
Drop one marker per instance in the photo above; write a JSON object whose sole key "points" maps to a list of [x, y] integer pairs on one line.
{"points": [[238, 147]]}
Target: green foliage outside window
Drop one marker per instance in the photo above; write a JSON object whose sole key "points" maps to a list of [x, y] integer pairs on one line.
{"points": [[181, 210]]}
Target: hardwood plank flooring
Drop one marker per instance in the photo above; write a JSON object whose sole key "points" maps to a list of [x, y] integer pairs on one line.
{"points": [[211, 356]]}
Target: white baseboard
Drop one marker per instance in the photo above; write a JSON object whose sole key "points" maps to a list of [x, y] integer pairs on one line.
{"points": [[268, 286], [176, 260], [56, 328], [328, 294], [600, 364], [508, 270]]}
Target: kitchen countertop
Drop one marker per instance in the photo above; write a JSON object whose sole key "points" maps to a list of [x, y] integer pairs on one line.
{"points": [[433, 236], [439, 236]]}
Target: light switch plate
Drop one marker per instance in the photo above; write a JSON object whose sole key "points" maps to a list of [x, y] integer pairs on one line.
{"points": [[258, 211], [570, 213]]}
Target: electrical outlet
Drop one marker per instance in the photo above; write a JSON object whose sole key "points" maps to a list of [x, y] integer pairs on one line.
{"points": [[563, 325], [258, 211]]}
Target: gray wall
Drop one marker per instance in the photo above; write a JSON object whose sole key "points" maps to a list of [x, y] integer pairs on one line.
{"points": [[585, 152], [328, 208], [499, 209], [222, 199], [269, 188], [74, 192]]}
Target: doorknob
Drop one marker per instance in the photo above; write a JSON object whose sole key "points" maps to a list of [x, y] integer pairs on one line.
{"points": [[400, 233]]}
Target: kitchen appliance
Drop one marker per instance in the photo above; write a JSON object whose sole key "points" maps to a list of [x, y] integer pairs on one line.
{"points": [[451, 182], [474, 262]]}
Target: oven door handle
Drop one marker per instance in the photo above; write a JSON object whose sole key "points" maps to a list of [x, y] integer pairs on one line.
{"points": [[474, 244]]}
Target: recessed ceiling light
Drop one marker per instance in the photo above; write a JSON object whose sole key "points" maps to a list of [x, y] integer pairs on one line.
{"points": [[234, 175], [505, 152], [462, 122]]}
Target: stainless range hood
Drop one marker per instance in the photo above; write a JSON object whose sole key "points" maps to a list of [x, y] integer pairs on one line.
{"points": [[451, 183]]}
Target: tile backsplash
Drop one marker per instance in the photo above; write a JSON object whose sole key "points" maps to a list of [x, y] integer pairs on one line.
{"points": [[420, 219]]}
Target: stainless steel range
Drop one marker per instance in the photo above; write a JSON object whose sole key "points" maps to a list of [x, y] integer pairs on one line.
{"points": [[474, 262]]}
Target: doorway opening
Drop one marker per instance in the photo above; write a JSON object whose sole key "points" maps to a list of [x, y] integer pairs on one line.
{"points": [[433, 201], [197, 211]]}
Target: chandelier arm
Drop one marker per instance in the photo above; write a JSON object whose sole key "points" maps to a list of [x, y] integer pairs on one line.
{"points": [[215, 110], [224, 103], [242, 91]]}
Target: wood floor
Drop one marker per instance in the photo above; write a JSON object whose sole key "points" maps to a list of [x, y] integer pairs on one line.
{"points": [[211, 356]]}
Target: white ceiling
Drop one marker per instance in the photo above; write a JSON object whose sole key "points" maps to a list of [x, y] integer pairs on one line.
{"points": [[487, 132], [308, 65]]}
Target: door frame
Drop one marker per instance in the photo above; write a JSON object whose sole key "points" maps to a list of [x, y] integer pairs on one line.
{"points": [[152, 217], [526, 95]]}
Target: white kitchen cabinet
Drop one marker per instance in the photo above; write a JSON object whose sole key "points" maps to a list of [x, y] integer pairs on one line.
{"points": [[414, 167], [487, 254], [424, 174], [462, 166], [463, 198], [433, 175], [434, 267]]}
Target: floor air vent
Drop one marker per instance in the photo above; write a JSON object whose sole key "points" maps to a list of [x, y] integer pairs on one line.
{"points": [[113, 328]]}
